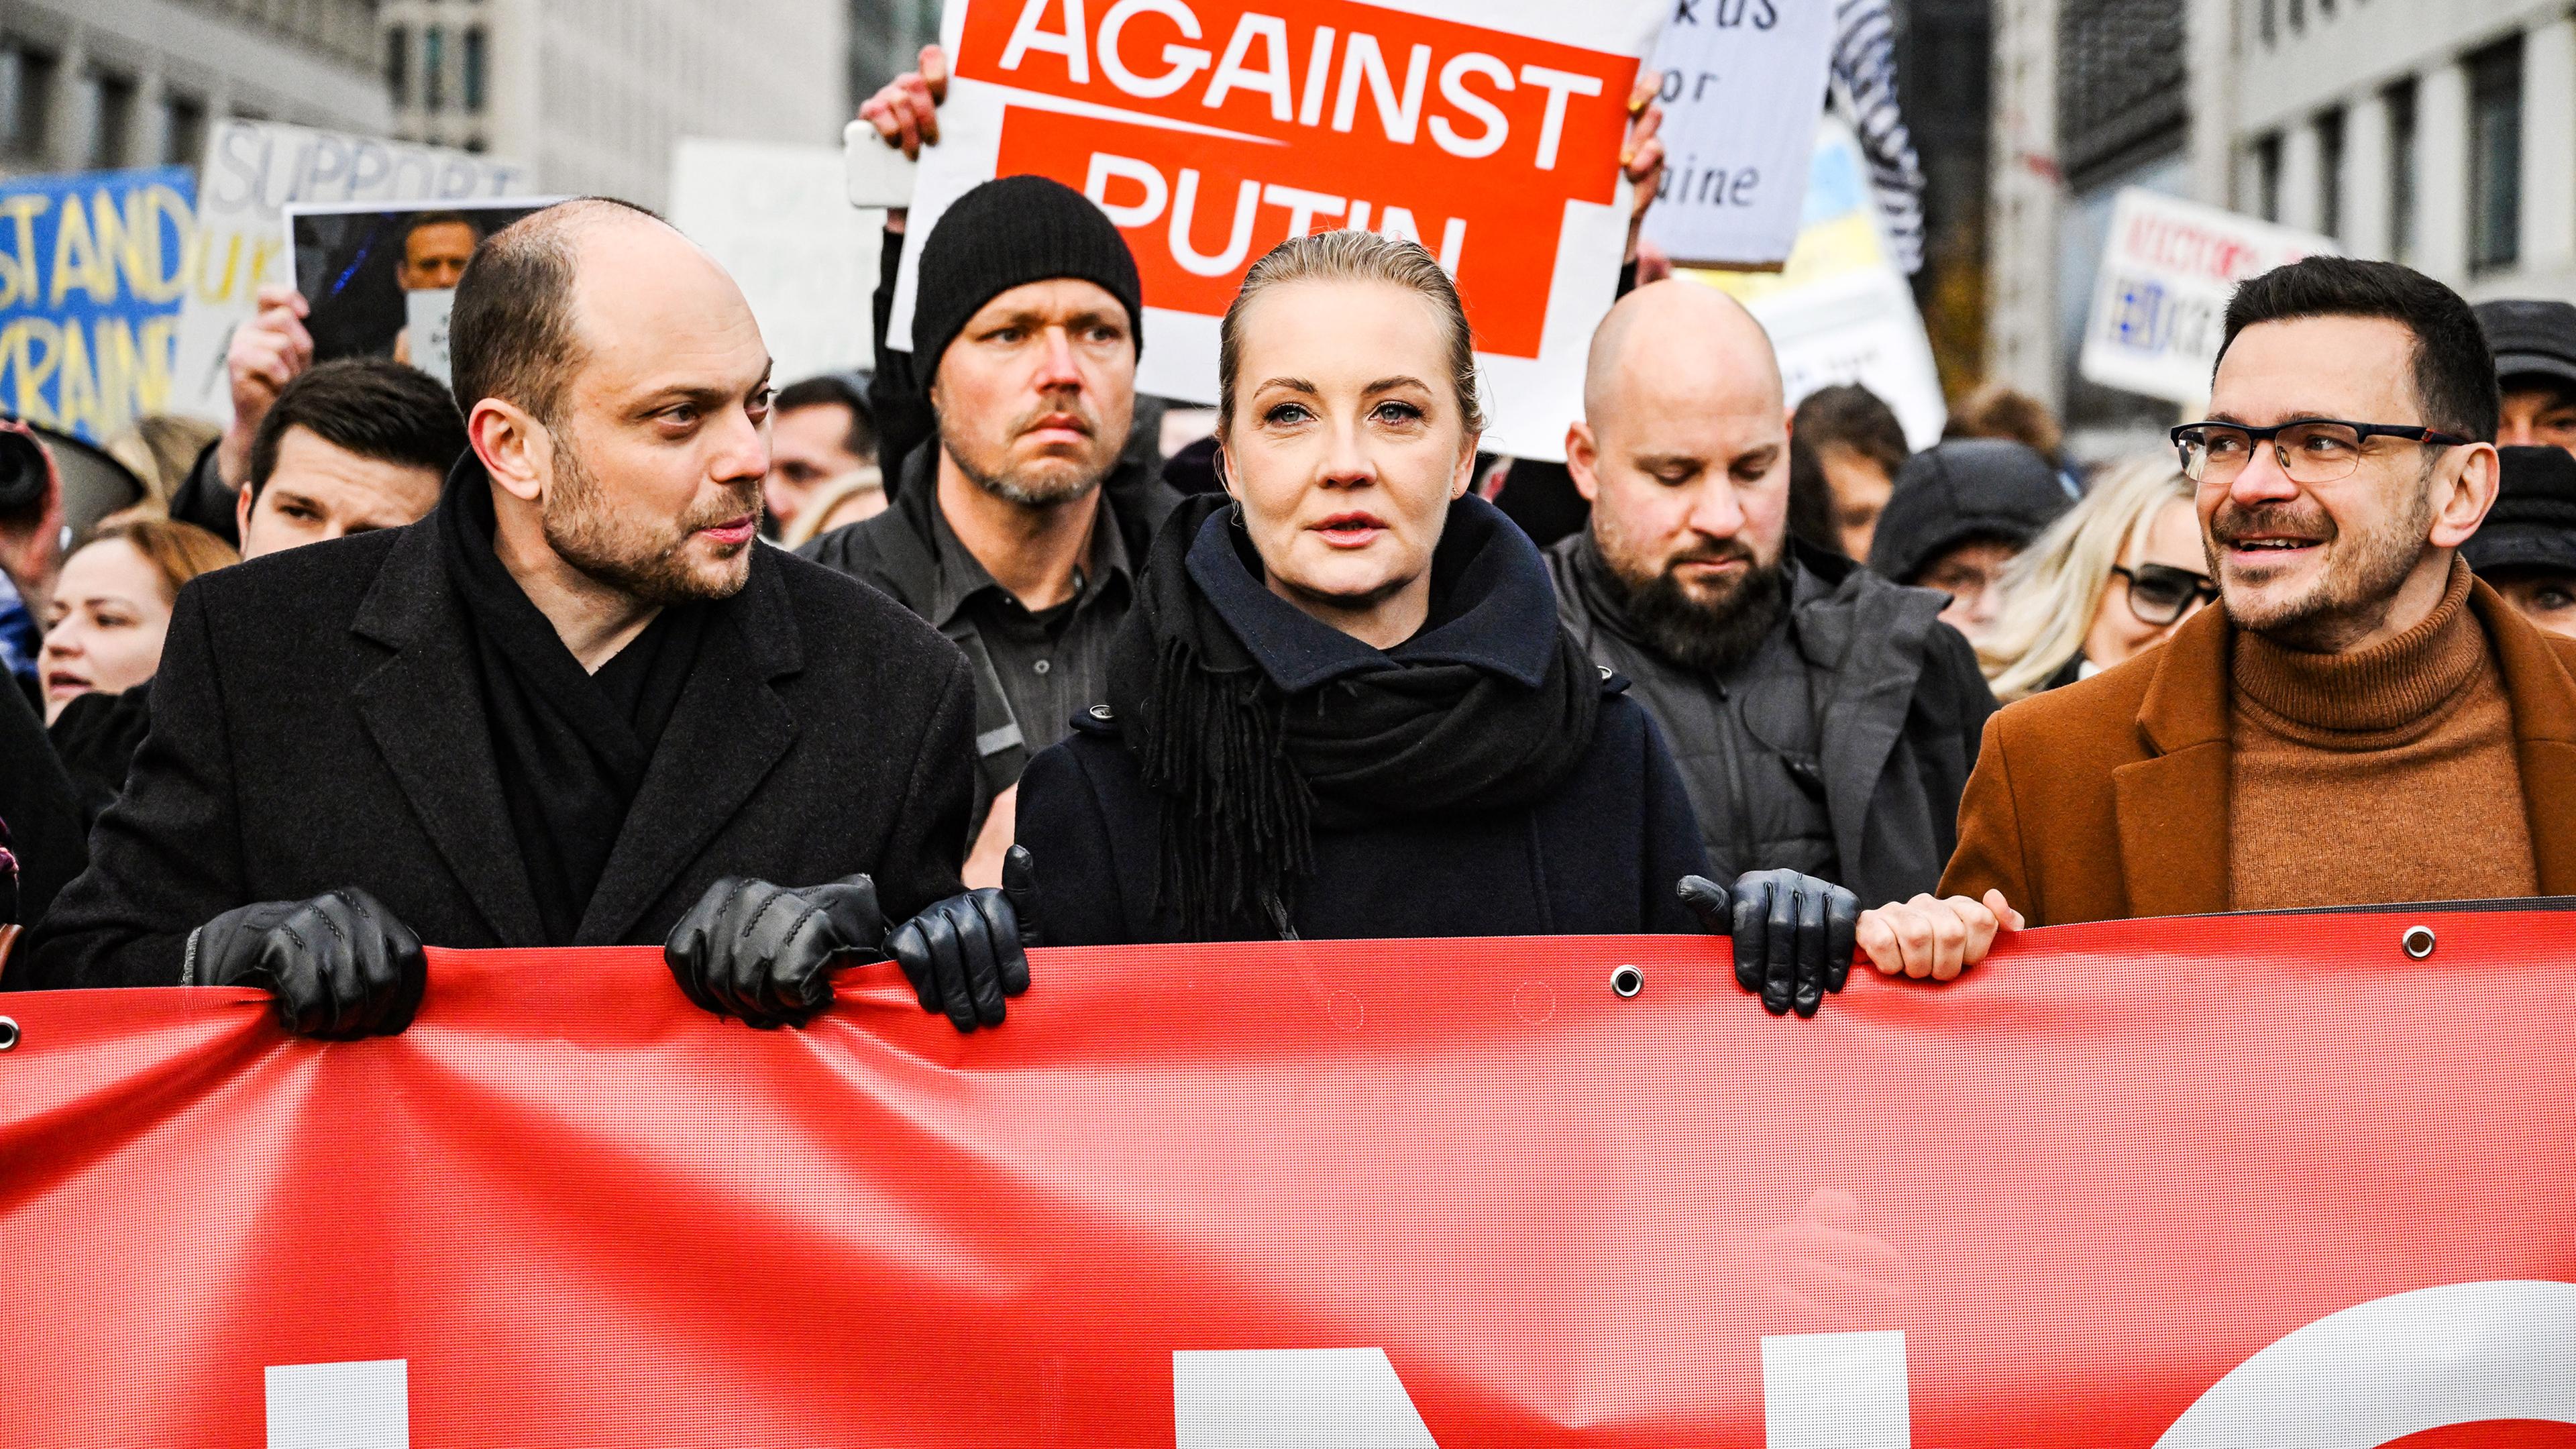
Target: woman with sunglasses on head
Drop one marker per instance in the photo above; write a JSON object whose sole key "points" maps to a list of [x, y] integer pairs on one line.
{"points": [[1343, 705], [2105, 583]]}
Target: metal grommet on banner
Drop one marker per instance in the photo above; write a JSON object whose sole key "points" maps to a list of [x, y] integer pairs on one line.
{"points": [[8, 1033], [1627, 981], [2417, 942]]}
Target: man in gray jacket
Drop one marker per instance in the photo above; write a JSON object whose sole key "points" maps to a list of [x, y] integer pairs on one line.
{"points": [[1823, 718]]}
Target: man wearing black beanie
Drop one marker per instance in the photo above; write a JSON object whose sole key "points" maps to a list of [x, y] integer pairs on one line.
{"points": [[1014, 525]]}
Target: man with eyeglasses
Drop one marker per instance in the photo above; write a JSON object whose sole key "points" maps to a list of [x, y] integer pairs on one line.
{"points": [[2360, 722]]}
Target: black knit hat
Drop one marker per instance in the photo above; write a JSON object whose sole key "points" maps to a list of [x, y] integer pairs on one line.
{"points": [[1959, 491], [1007, 233], [2533, 523]]}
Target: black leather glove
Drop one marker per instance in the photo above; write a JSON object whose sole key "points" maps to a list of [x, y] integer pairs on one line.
{"points": [[339, 965], [966, 953], [766, 953], [1793, 933]]}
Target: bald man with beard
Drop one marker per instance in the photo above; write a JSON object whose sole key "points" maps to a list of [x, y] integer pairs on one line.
{"points": [[1824, 719]]}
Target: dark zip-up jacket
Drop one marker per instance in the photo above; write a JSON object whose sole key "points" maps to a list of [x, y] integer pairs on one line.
{"points": [[1839, 748]]}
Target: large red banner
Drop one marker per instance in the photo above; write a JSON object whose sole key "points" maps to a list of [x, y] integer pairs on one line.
{"points": [[2235, 1181]]}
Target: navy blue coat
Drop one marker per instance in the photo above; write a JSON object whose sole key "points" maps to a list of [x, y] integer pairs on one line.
{"points": [[1599, 856]]}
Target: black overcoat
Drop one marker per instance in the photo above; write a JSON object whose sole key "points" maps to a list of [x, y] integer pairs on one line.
{"points": [[1599, 855], [317, 723]]}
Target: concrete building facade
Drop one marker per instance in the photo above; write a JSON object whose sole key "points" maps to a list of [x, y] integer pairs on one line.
{"points": [[88, 84], [593, 93], [2440, 133], [886, 37]]}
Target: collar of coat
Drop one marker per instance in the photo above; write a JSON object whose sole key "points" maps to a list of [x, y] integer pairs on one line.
{"points": [[2184, 717], [423, 708]]}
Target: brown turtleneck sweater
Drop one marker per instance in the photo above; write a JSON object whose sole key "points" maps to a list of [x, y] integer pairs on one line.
{"points": [[2387, 774]]}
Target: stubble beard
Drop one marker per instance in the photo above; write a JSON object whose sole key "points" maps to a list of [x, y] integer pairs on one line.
{"points": [[644, 559], [2349, 599], [1061, 481]]}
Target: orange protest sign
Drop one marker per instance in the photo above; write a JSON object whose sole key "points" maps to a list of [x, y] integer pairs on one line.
{"points": [[1212, 130]]}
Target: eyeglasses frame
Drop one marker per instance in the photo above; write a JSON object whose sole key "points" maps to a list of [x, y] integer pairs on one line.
{"points": [[2362, 432], [2205, 593]]}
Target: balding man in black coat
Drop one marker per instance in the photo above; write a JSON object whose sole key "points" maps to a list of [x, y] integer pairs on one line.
{"points": [[579, 704]]}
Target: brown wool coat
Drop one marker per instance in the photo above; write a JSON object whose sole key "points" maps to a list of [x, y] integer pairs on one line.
{"points": [[2107, 799]]}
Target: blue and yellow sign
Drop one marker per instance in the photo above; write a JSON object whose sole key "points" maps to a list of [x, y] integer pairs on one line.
{"points": [[92, 269]]}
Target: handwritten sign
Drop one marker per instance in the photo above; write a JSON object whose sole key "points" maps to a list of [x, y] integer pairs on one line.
{"points": [[92, 266], [1743, 86]]}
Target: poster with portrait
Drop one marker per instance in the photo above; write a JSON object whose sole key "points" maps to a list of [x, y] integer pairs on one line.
{"points": [[252, 171], [367, 267]]}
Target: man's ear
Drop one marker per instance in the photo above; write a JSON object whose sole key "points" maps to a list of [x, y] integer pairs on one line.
{"points": [[2461, 504], [1582, 450], [514, 447], [243, 506]]}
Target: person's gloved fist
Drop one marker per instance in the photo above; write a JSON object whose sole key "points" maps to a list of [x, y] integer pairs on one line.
{"points": [[340, 965], [766, 953], [1793, 934], [967, 953]]}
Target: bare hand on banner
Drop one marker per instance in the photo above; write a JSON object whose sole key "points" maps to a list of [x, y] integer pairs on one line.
{"points": [[269, 351], [1934, 937], [905, 112], [1641, 152]]}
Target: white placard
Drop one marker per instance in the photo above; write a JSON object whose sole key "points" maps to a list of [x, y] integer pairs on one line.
{"points": [[253, 169], [777, 217], [425, 316], [2160, 299], [1840, 311], [1743, 87], [1212, 130]]}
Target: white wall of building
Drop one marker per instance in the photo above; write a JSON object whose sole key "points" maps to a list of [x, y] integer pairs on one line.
{"points": [[167, 64], [2250, 91]]}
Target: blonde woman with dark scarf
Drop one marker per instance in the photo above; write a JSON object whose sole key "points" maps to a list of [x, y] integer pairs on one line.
{"points": [[1343, 706]]}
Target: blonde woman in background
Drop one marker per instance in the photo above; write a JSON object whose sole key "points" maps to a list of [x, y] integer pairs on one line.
{"points": [[2104, 583]]}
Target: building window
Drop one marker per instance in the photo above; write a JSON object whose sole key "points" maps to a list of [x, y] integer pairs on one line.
{"points": [[2330, 172], [110, 120], [2122, 91], [2267, 177], [2495, 156], [183, 130], [433, 68], [398, 65], [473, 87], [2401, 171], [2267, 21], [26, 99]]}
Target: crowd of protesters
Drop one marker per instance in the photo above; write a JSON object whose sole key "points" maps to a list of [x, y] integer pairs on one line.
{"points": [[610, 641]]}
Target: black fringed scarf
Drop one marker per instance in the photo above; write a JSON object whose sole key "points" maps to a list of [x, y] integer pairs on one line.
{"points": [[1258, 725]]}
